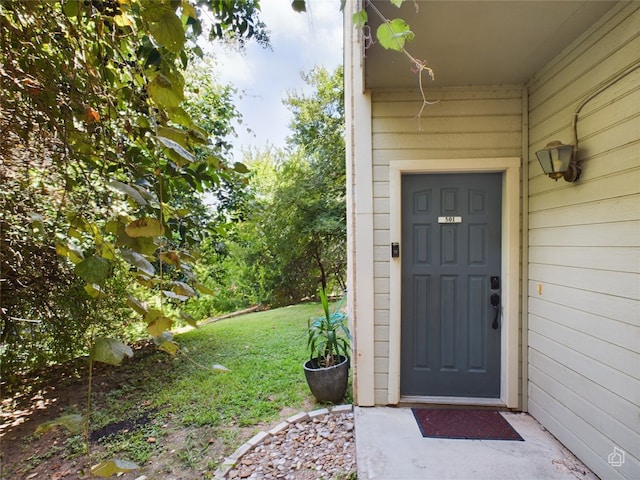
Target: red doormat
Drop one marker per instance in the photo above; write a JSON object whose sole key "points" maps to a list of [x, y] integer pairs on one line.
{"points": [[468, 424]]}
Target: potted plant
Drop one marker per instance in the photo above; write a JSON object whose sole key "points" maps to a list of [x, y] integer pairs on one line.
{"points": [[327, 370]]}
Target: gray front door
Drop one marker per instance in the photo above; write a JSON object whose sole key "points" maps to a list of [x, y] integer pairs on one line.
{"points": [[451, 229]]}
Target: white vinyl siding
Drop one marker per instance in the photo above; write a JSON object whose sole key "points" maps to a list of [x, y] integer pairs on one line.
{"points": [[482, 122], [584, 255]]}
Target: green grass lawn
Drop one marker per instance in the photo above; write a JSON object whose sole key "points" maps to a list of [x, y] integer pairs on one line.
{"points": [[264, 352], [211, 413]]}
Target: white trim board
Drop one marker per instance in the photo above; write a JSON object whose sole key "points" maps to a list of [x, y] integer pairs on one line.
{"points": [[510, 166]]}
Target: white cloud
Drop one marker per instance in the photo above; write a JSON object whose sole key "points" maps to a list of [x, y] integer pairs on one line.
{"points": [[299, 41]]}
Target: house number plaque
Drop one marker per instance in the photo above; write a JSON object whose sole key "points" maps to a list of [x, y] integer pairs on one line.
{"points": [[449, 219]]}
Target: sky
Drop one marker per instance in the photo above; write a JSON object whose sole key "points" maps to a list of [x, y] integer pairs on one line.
{"points": [[263, 76]]}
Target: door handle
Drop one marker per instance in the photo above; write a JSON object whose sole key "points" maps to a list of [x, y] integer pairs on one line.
{"points": [[495, 303]]}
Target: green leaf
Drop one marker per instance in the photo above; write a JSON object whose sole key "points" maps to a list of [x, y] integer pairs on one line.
{"points": [[93, 269], [70, 251], [72, 422], [93, 290], [109, 350], [177, 148], [179, 116], [145, 227], [299, 6], [170, 347], [393, 35], [360, 18], [174, 296], [136, 305], [188, 10], [111, 467], [164, 92], [203, 289], [70, 8], [170, 258], [138, 261], [143, 245], [107, 251], [177, 135], [397, 3], [128, 190], [168, 32], [182, 288], [159, 325], [189, 319], [240, 167]]}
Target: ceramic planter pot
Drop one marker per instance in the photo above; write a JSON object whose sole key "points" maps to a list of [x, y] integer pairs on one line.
{"points": [[328, 384]]}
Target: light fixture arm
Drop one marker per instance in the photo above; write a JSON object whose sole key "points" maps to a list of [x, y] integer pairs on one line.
{"points": [[594, 94]]}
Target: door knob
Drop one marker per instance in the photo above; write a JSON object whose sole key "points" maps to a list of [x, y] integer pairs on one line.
{"points": [[495, 303]]}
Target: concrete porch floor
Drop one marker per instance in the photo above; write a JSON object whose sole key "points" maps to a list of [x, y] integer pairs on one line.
{"points": [[389, 446]]}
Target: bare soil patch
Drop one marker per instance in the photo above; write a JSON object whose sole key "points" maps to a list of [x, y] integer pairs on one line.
{"points": [[178, 452]]}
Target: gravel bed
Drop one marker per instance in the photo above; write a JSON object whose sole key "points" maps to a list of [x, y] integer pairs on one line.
{"points": [[319, 448]]}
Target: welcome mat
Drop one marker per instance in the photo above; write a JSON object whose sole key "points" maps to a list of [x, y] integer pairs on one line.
{"points": [[467, 424]]}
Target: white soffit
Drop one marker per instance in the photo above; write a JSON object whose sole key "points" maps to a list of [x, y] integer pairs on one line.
{"points": [[478, 42]]}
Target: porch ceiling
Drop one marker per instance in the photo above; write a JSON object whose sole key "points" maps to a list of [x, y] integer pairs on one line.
{"points": [[478, 42]]}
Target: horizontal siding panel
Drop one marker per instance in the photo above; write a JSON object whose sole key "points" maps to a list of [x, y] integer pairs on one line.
{"points": [[380, 173], [625, 133], [609, 306], [381, 270], [380, 238], [613, 380], [626, 285], [599, 338], [381, 221], [380, 396], [610, 210], [619, 234], [625, 437], [555, 116], [381, 189], [381, 380], [596, 118], [448, 108], [617, 101], [381, 365], [446, 141], [615, 185], [557, 120], [380, 300], [619, 259], [593, 66], [584, 323], [381, 349], [381, 333], [620, 409], [616, 18], [381, 317], [381, 253], [381, 206], [381, 285], [383, 157], [584, 441], [462, 124]]}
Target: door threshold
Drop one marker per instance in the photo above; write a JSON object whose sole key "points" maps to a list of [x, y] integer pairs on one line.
{"points": [[407, 401]]}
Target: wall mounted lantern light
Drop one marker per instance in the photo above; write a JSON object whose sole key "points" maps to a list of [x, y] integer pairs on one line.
{"points": [[558, 160]]}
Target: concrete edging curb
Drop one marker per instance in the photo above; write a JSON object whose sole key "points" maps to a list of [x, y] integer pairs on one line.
{"points": [[231, 461]]}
